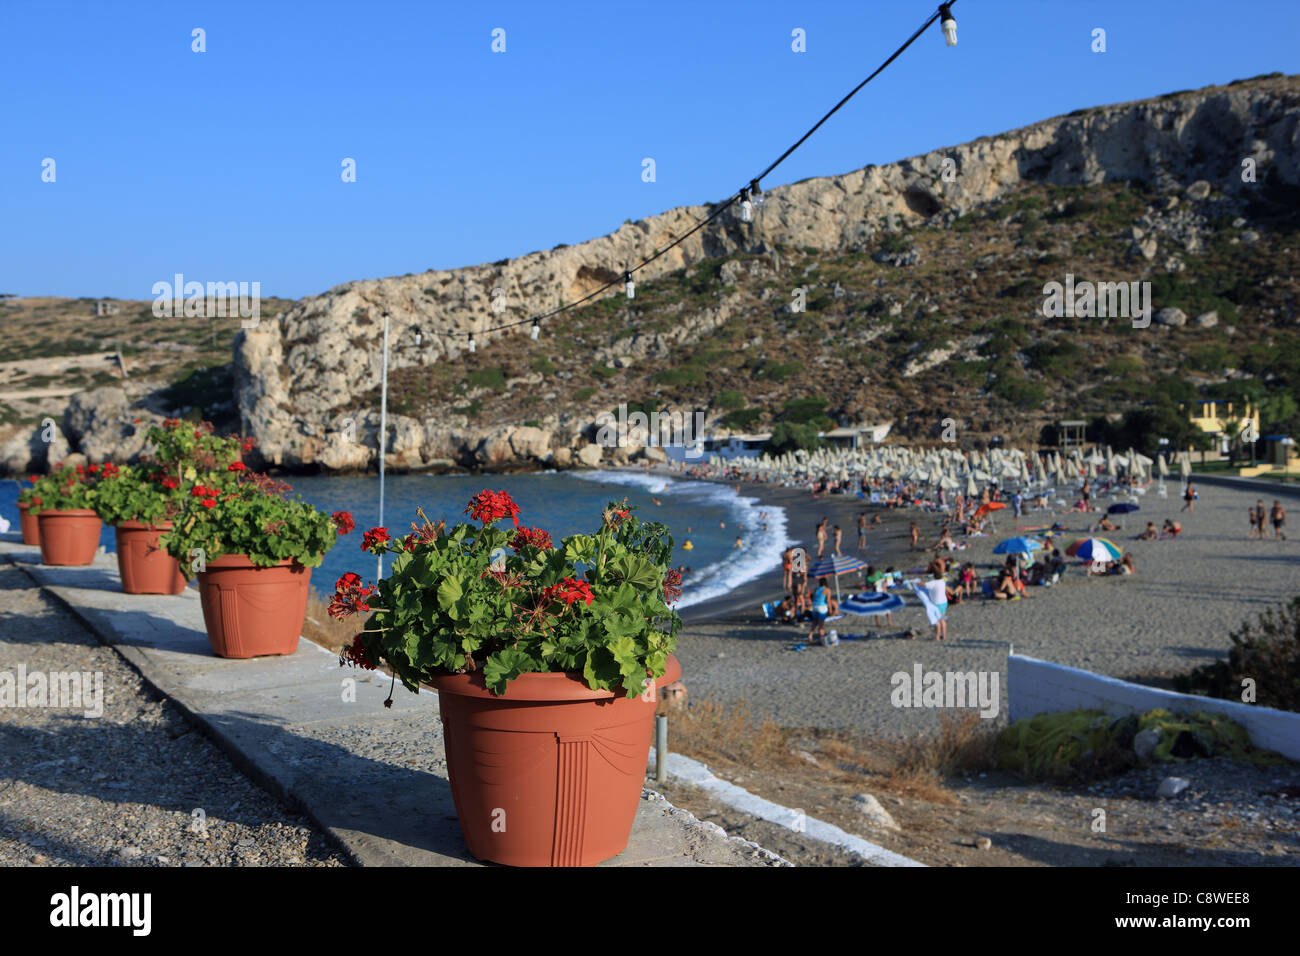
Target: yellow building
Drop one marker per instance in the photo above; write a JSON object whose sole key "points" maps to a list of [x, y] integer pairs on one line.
{"points": [[1225, 421]]}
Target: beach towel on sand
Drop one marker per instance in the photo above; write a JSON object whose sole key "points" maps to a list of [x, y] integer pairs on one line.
{"points": [[932, 611]]}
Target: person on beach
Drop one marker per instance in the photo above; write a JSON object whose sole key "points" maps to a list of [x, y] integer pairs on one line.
{"points": [[1085, 495], [1105, 524], [1255, 517], [862, 531], [937, 589], [1261, 517], [1171, 528], [821, 537], [966, 579], [876, 519], [1189, 498], [739, 543], [915, 533], [1005, 589], [938, 566], [821, 609], [945, 541], [1150, 534], [1126, 565], [785, 569], [1278, 516], [1017, 502], [839, 537]]}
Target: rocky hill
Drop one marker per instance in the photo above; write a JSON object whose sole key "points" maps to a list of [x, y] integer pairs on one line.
{"points": [[923, 281]]}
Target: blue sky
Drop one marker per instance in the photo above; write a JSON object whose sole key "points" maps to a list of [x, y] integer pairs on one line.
{"points": [[225, 165]]}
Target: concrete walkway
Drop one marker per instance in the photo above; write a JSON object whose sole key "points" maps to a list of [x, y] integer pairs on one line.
{"points": [[373, 778]]}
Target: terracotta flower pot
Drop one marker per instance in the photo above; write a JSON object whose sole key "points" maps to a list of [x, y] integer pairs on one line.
{"points": [[30, 524], [69, 537], [144, 566], [549, 774], [251, 611]]}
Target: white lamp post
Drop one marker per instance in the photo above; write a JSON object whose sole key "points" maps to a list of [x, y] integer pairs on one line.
{"points": [[383, 436]]}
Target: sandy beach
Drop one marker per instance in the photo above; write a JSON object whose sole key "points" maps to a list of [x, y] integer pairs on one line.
{"points": [[1175, 613]]}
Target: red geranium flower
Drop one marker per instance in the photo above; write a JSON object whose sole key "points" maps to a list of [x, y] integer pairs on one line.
{"points": [[349, 596], [343, 521], [355, 654], [37, 502], [235, 466], [209, 503], [568, 591], [489, 506], [373, 538], [170, 482], [534, 536]]}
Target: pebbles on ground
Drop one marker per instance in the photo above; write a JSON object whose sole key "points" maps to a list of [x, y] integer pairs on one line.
{"points": [[133, 787]]}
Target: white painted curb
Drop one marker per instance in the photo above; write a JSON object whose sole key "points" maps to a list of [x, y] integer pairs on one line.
{"points": [[697, 774]]}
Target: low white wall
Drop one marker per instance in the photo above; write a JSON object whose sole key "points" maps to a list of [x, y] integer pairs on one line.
{"points": [[1040, 687]]}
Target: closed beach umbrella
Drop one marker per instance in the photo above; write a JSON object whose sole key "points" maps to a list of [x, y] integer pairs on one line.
{"points": [[1162, 465]]}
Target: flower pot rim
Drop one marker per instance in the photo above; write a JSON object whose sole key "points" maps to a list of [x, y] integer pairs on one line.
{"points": [[68, 513], [556, 686], [228, 561], [134, 525]]}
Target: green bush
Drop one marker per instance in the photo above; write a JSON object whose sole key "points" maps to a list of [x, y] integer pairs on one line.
{"points": [[742, 418], [804, 411], [778, 371], [1019, 391], [787, 436], [730, 399], [540, 363], [487, 378], [681, 375], [1056, 358]]}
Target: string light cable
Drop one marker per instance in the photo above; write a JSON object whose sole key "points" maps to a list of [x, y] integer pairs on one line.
{"points": [[748, 195]]}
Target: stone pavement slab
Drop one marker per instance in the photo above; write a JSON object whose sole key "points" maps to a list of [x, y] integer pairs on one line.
{"points": [[373, 778]]}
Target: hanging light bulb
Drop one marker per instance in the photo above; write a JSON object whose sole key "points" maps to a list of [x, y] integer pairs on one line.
{"points": [[418, 336], [631, 286], [535, 331], [471, 342], [759, 198], [947, 24], [746, 207]]}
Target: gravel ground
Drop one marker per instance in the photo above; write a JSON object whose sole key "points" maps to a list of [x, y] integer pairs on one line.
{"points": [[1232, 814], [137, 786], [1174, 614]]}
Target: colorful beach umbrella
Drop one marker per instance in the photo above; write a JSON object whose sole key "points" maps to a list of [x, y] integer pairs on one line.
{"points": [[1094, 549], [835, 565]]}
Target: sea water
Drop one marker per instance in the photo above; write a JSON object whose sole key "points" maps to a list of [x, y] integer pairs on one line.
{"points": [[709, 515]]}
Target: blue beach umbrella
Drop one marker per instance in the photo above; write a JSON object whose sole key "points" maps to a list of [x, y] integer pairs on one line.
{"points": [[1018, 546], [1123, 508], [871, 604]]}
